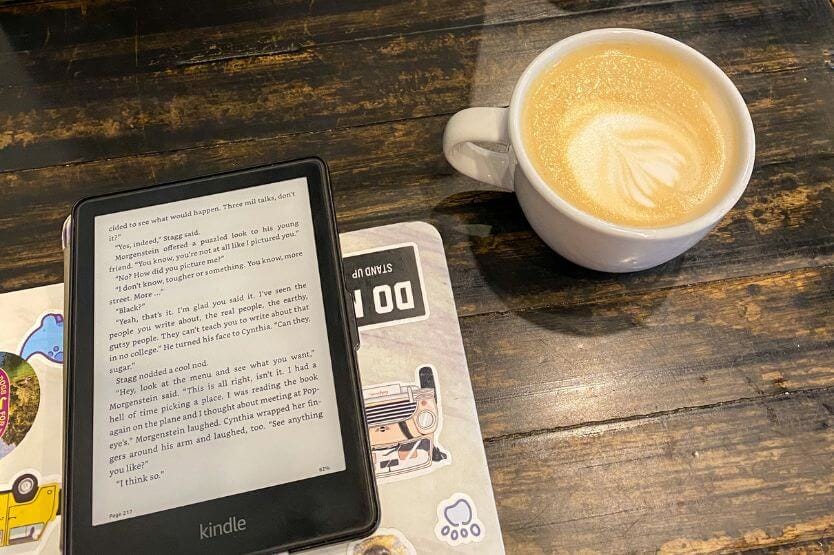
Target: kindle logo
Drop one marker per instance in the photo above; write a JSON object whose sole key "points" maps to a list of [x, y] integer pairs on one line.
{"points": [[211, 530]]}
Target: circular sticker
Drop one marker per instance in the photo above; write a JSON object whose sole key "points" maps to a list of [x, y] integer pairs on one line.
{"points": [[20, 395], [386, 541]]}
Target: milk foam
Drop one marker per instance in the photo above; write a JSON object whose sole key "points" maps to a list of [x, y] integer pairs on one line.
{"points": [[628, 134], [633, 159]]}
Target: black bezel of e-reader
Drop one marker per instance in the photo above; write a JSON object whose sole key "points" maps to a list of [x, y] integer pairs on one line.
{"points": [[297, 515]]}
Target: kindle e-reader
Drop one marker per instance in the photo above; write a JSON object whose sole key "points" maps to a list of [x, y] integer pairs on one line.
{"points": [[212, 393]]}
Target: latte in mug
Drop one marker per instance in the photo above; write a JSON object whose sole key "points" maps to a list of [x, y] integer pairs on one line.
{"points": [[627, 133], [623, 147]]}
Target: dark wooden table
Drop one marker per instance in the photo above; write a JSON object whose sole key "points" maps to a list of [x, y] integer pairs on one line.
{"points": [[686, 408]]}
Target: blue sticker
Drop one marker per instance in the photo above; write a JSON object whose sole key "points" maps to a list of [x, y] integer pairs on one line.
{"points": [[47, 339]]}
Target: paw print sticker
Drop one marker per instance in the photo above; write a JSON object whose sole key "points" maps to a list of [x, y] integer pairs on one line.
{"points": [[457, 521]]}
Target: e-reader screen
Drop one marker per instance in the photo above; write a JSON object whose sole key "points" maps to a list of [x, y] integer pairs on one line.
{"points": [[212, 373]]}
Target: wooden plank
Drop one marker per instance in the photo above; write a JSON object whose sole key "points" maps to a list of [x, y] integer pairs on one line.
{"points": [[749, 475], [92, 116], [396, 172], [823, 546], [174, 34], [59, 40], [652, 352]]}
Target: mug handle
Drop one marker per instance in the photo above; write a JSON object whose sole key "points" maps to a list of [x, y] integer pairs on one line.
{"points": [[486, 125]]}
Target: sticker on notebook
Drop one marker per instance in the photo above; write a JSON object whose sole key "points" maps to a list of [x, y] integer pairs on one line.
{"points": [[35, 504], [404, 422], [457, 521], [20, 395], [386, 286], [46, 338], [388, 541]]}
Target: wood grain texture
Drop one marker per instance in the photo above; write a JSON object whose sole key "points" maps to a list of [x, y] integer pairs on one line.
{"points": [[682, 409], [823, 546], [169, 34], [739, 476], [652, 352], [95, 114]]}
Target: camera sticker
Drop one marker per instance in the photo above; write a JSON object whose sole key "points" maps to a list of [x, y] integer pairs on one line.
{"points": [[404, 421], [386, 540], [457, 521]]}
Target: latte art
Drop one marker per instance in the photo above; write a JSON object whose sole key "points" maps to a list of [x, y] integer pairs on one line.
{"points": [[629, 158], [623, 134]]}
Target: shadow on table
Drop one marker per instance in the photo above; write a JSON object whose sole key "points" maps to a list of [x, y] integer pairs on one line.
{"points": [[536, 283]]}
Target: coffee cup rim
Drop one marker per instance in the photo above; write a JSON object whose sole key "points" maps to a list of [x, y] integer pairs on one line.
{"points": [[736, 102]]}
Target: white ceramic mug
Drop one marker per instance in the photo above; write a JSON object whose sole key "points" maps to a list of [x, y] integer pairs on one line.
{"points": [[577, 235]]}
